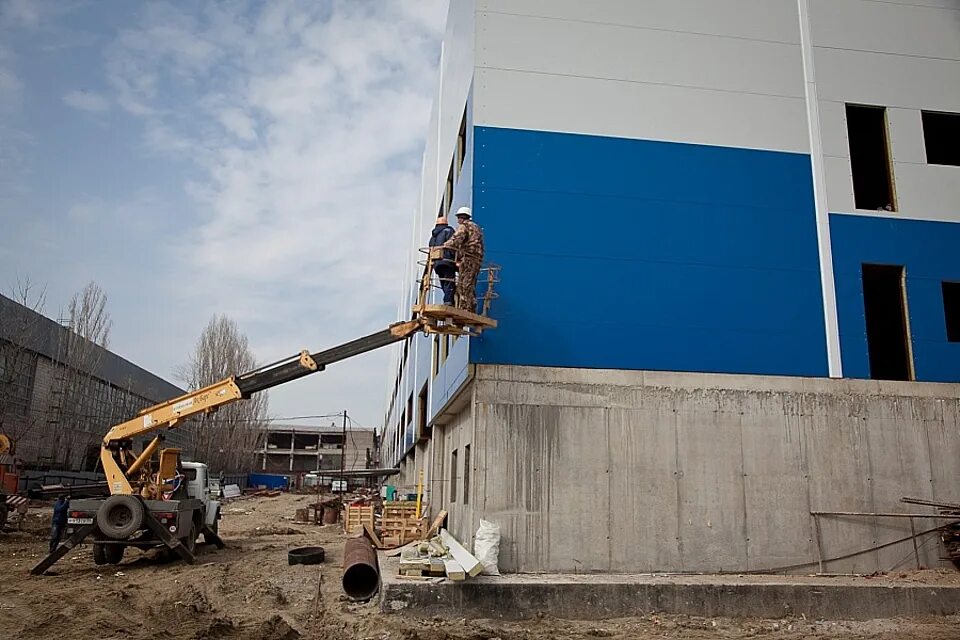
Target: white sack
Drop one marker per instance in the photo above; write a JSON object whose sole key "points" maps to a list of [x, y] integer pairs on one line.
{"points": [[487, 547]]}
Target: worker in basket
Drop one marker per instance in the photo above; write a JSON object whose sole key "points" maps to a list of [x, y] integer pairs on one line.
{"points": [[467, 241]]}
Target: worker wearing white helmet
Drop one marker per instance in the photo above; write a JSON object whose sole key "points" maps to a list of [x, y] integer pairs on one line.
{"points": [[467, 241]]}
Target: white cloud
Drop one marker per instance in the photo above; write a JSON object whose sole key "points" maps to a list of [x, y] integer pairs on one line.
{"points": [[305, 123], [87, 101]]}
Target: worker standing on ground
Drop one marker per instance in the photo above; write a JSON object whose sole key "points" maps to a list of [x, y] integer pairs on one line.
{"points": [[444, 266], [467, 241], [61, 509]]}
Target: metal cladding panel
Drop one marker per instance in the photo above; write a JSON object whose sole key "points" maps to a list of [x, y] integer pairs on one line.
{"points": [[633, 80], [521, 100], [632, 54], [924, 191], [887, 27], [928, 252], [774, 20], [888, 80], [637, 254]]}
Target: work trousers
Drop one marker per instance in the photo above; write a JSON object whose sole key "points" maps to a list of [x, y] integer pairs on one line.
{"points": [[56, 532], [447, 273], [467, 284]]}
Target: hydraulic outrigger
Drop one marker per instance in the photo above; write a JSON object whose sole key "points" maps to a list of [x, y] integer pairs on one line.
{"points": [[142, 486]]}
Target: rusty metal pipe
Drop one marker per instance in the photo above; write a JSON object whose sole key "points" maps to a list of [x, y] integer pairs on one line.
{"points": [[361, 575]]}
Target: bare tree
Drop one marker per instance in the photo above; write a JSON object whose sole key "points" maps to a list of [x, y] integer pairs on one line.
{"points": [[84, 397], [225, 440], [19, 332]]}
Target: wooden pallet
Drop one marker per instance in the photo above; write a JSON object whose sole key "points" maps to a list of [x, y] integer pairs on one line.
{"points": [[357, 516], [400, 522]]}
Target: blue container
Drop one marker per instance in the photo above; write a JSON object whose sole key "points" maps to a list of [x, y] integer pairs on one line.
{"points": [[268, 480]]}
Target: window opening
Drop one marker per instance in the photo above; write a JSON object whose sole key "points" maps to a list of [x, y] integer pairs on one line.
{"points": [[870, 158], [453, 476], [448, 192], [951, 310], [885, 310], [941, 137], [422, 430], [466, 474], [461, 150]]}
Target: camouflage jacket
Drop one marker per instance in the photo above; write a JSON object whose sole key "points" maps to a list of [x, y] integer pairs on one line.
{"points": [[467, 241]]}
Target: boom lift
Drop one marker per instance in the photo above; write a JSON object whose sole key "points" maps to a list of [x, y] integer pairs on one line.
{"points": [[150, 504]]}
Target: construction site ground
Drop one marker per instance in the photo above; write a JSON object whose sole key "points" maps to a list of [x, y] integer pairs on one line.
{"points": [[248, 591]]}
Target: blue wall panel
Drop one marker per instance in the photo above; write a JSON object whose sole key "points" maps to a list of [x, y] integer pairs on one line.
{"points": [[648, 255], [930, 254]]}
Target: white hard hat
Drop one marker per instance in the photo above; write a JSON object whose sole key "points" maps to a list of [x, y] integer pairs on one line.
{"points": [[464, 211]]}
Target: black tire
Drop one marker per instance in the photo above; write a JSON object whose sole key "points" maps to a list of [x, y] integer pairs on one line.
{"points": [[99, 553], [120, 516], [306, 555], [114, 552], [190, 541], [3, 512]]}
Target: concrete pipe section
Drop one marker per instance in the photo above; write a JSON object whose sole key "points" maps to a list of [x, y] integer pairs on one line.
{"points": [[361, 576]]}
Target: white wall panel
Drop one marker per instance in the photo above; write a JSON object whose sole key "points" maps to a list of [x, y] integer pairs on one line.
{"points": [[774, 20], [456, 74], [888, 80], [867, 25], [905, 129], [833, 129], [839, 184], [638, 54], [929, 192], [635, 110]]}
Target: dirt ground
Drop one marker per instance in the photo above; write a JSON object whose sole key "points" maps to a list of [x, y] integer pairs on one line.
{"points": [[248, 592]]}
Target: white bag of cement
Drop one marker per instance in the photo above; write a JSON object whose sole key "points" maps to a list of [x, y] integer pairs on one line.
{"points": [[487, 547]]}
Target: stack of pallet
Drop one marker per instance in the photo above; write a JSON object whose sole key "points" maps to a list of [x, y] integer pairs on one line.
{"points": [[400, 524], [357, 515], [439, 556]]}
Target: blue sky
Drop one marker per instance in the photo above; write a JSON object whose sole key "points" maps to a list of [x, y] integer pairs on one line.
{"points": [[259, 159]]}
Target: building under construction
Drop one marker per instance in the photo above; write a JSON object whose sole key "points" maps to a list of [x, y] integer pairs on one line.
{"points": [[730, 286]]}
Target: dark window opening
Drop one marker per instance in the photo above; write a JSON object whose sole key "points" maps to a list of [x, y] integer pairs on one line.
{"points": [[870, 158], [461, 150], [466, 474], [448, 192], [941, 137], [951, 310], [422, 432], [885, 309], [453, 476]]}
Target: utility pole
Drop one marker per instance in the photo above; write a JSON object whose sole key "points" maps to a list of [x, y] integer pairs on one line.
{"points": [[343, 458]]}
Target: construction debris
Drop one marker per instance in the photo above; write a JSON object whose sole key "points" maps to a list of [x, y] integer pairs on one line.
{"points": [[438, 556], [466, 559]]}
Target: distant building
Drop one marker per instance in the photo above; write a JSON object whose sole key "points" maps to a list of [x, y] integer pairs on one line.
{"points": [[56, 406], [289, 448]]}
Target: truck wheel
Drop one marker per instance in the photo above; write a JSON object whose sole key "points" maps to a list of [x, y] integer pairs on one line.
{"points": [[3, 513], [120, 516], [190, 542], [114, 552], [99, 553]]}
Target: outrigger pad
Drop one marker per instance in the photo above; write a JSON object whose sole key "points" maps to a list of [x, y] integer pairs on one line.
{"points": [[209, 536], [170, 541], [62, 549]]}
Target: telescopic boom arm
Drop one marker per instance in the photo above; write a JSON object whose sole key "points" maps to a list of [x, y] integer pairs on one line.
{"points": [[121, 466]]}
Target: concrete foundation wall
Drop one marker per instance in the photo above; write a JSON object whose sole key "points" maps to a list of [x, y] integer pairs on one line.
{"points": [[628, 471]]}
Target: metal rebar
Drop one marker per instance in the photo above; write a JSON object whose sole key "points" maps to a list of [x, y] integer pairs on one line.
{"points": [[870, 514], [913, 536]]}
